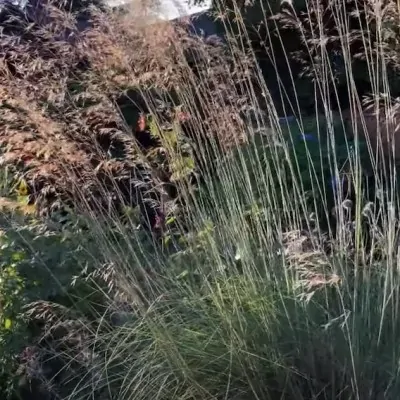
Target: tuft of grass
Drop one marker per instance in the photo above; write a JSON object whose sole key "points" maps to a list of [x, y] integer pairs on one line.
{"points": [[278, 277]]}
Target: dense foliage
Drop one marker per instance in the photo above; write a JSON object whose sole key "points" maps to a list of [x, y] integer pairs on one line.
{"points": [[187, 217]]}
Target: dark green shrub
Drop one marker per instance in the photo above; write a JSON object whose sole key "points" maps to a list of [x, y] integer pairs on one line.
{"points": [[36, 264]]}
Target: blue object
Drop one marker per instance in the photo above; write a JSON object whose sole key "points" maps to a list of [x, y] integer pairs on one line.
{"points": [[309, 137]]}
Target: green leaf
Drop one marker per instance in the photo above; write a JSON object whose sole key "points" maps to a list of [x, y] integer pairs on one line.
{"points": [[7, 323], [23, 199], [166, 239], [18, 256], [183, 274], [170, 220], [22, 189]]}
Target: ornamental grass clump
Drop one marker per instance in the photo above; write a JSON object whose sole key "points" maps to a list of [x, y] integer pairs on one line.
{"points": [[275, 275]]}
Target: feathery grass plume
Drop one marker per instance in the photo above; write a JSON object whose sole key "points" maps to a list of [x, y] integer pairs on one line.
{"points": [[279, 278], [62, 128], [240, 310]]}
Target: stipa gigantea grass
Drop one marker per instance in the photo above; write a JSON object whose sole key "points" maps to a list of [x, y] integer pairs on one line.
{"points": [[259, 302], [323, 347], [232, 323]]}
